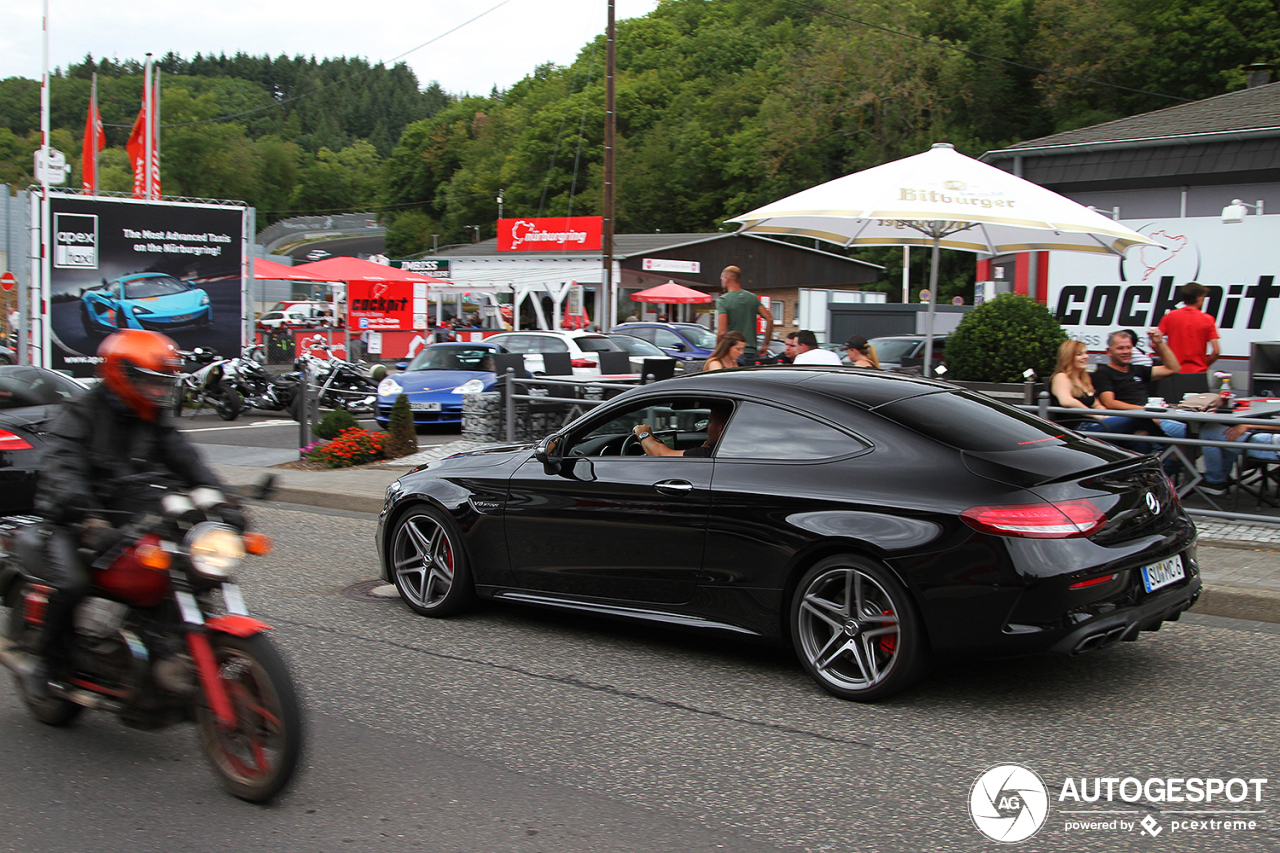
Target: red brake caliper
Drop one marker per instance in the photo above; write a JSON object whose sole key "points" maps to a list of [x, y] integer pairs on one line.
{"points": [[888, 642]]}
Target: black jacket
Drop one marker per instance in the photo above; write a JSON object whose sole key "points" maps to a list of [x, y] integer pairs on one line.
{"points": [[94, 453]]}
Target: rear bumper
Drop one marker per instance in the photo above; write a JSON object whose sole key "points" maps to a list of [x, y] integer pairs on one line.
{"points": [[1128, 623]]}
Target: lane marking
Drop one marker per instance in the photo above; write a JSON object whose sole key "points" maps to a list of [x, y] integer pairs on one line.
{"points": [[293, 424]]}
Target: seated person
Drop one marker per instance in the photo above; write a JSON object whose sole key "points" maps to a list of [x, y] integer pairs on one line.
{"points": [[728, 350], [861, 353], [1122, 385], [808, 351], [1218, 460], [1072, 388], [716, 420]]}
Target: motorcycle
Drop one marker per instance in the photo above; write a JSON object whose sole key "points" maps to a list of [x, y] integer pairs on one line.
{"points": [[336, 383], [257, 387], [164, 637], [204, 386]]}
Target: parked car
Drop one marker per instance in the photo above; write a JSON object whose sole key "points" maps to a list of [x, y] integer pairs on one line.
{"points": [[582, 347], [146, 300], [871, 520], [319, 312], [286, 320], [435, 381], [29, 399], [896, 351], [639, 349], [685, 341]]}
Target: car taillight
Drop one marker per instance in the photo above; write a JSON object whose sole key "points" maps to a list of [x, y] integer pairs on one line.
{"points": [[1037, 521], [582, 362], [1093, 581], [10, 441]]}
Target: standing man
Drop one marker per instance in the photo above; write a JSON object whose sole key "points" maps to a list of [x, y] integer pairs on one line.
{"points": [[1190, 331], [736, 311]]}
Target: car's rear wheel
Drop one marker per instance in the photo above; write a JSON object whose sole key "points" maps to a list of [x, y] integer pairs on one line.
{"points": [[856, 630], [428, 565]]}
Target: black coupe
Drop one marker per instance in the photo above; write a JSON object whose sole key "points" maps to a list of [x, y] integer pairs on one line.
{"points": [[29, 399], [870, 520]]}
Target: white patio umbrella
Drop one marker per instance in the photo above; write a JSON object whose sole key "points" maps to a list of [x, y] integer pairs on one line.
{"points": [[943, 199]]}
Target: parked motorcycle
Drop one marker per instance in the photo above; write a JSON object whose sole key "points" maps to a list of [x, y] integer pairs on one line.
{"points": [[204, 386], [256, 386], [335, 383], [164, 636]]}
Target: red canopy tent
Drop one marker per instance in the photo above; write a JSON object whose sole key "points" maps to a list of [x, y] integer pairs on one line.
{"points": [[354, 269], [672, 293], [264, 269]]}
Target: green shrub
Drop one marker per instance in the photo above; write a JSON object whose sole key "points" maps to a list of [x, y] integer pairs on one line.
{"points": [[999, 340], [334, 423], [402, 438]]}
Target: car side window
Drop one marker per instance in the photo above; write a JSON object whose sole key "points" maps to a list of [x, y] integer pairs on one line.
{"points": [[644, 333], [763, 432], [666, 338], [514, 343], [678, 423], [540, 344]]}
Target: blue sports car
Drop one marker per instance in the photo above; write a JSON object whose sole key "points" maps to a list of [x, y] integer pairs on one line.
{"points": [[145, 300], [436, 380]]}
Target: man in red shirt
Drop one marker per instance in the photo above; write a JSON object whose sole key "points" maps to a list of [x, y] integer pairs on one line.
{"points": [[1190, 330]]}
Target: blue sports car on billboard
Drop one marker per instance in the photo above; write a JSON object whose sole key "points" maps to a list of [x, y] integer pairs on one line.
{"points": [[436, 380], [145, 300]]}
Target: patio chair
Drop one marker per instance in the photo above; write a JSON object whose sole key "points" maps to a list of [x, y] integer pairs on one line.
{"points": [[658, 368], [612, 363]]}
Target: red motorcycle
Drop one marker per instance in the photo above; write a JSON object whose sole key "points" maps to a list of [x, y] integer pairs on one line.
{"points": [[164, 637]]}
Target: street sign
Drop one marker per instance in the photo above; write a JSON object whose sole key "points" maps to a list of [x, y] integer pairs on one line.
{"points": [[51, 166], [8, 281]]}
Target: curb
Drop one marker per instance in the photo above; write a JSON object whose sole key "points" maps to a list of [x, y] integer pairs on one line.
{"points": [[1237, 602], [326, 500]]}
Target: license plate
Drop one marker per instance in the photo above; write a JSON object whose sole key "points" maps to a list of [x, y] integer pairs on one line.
{"points": [[424, 407], [181, 318], [1163, 573]]}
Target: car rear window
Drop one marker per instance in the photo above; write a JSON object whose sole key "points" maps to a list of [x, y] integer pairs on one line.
{"points": [[596, 343], [968, 421], [26, 386]]}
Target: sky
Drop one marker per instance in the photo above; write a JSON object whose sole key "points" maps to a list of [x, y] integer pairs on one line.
{"points": [[499, 48]]}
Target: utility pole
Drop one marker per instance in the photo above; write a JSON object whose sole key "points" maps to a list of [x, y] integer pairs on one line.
{"points": [[435, 243], [500, 194], [604, 311]]}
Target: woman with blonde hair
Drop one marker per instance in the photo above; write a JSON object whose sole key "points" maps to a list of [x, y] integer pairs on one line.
{"points": [[727, 352], [1072, 388], [861, 353]]}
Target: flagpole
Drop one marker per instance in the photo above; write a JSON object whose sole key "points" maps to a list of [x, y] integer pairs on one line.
{"points": [[97, 120], [157, 132], [146, 130], [35, 305]]}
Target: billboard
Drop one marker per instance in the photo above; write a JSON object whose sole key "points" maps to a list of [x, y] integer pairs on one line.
{"points": [[383, 306], [124, 263], [1095, 295], [551, 234]]}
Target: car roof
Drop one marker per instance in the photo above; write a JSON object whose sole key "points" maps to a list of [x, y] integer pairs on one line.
{"points": [[778, 383], [461, 344]]}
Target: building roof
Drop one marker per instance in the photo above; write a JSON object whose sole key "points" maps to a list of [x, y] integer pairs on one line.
{"points": [[1245, 114]]}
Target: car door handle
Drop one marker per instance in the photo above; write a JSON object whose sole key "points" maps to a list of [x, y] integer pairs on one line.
{"points": [[676, 488]]}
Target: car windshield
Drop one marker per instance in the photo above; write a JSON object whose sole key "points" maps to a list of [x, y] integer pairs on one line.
{"points": [[29, 386], [453, 358], [146, 288], [895, 349], [596, 343], [698, 336], [968, 421]]}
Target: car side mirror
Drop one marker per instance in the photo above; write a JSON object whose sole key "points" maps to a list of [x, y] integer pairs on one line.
{"points": [[548, 453], [579, 468]]}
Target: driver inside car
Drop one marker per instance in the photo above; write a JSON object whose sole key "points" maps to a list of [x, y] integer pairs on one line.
{"points": [[716, 419]]}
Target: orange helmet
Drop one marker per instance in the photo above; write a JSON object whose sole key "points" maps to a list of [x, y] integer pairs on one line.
{"points": [[141, 368]]}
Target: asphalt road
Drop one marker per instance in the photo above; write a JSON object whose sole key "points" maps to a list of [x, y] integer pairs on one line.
{"points": [[351, 246], [512, 729]]}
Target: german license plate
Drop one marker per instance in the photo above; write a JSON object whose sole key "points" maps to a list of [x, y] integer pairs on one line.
{"points": [[424, 407], [1163, 573], [182, 318]]}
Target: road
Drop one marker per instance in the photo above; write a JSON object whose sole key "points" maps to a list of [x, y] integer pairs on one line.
{"points": [[512, 729], [352, 246]]}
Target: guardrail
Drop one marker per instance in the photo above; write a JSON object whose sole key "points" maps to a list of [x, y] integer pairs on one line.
{"points": [[594, 393], [1173, 447]]}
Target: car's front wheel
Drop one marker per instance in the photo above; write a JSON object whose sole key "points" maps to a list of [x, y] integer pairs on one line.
{"points": [[856, 630], [428, 565]]}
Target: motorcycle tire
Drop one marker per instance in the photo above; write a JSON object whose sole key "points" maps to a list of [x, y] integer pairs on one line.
{"points": [[52, 711], [227, 402], [255, 760]]}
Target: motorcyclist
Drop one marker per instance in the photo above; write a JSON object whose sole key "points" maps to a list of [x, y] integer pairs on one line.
{"points": [[92, 478]]}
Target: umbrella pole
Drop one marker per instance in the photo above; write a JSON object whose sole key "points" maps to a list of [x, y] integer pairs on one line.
{"points": [[933, 299]]}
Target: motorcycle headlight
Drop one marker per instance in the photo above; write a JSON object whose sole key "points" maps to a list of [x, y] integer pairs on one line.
{"points": [[390, 388], [473, 386], [216, 550]]}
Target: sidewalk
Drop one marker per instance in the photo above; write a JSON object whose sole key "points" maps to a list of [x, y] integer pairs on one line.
{"points": [[1239, 563]]}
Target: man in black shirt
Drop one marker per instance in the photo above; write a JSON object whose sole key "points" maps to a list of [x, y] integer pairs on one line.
{"points": [[1121, 385]]}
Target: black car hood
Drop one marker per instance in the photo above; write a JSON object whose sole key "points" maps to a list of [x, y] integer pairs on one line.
{"points": [[1032, 467], [485, 457]]}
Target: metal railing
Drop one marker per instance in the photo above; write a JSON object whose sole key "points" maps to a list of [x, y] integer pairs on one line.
{"points": [[573, 405], [1173, 446]]}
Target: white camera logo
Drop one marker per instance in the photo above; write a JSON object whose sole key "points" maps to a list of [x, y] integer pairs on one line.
{"points": [[1009, 803]]}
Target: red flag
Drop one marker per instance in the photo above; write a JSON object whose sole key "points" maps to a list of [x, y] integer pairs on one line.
{"points": [[137, 144], [95, 139]]}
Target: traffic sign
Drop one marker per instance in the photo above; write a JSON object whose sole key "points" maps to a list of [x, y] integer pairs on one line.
{"points": [[8, 281]]}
